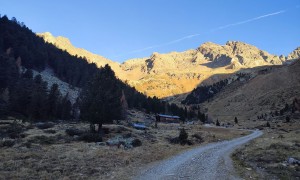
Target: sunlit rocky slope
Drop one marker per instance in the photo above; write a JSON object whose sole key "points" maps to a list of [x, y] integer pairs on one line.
{"points": [[174, 73]]}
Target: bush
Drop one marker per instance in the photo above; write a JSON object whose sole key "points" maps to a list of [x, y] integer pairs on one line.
{"points": [[136, 143], [44, 125], [43, 140], [7, 143], [198, 138], [183, 135], [27, 144], [13, 131], [287, 119], [50, 131], [173, 140], [74, 132], [181, 139], [217, 123], [90, 137]]}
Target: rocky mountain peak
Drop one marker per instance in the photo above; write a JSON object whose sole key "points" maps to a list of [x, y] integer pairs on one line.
{"points": [[246, 54], [295, 54], [47, 36]]}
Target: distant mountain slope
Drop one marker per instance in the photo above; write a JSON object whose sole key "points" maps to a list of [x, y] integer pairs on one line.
{"points": [[65, 44], [268, 91], [175, 73]]}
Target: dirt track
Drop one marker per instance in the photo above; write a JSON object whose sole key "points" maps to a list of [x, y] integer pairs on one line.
{"points": [[207, 162]]}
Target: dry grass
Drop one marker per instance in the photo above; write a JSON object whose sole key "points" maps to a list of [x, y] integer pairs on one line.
{"points": [[63, 158], [266, 157]]}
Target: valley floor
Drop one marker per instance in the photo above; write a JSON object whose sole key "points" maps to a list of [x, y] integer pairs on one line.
{"points": [[52, 154]]}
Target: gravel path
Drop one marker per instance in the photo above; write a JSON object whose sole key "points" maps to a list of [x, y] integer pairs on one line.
{"points": [[211, 161]]}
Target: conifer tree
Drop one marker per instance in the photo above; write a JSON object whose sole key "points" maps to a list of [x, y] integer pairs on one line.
{"points": [[37, 108], [101, 99], [53, 100], [217, 123], [66, 108], [235, 120]]}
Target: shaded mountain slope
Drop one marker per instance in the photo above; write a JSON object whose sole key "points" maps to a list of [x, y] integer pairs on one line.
{"points": [[268, 91]]}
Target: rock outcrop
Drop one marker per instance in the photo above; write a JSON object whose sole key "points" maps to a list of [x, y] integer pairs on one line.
{"points": [[247, 55], [295, 54]]}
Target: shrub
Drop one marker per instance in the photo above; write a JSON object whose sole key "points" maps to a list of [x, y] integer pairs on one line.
{"points": [[287, 119], [181, 139], [73, 132], [50, 131], [44, 125], [90, 137], [198, 138], [136, 143], [236, 120], [183, 135], [217, 123], [13, 131], [7, 143], [43, 140]]}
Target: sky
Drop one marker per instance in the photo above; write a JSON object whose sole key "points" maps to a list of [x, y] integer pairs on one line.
{"points": [[125, 29]]}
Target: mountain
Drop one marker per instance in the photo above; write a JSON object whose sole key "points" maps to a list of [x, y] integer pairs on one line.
{"points": [[175, 73]]}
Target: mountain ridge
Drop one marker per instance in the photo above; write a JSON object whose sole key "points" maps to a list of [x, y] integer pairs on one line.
{"points": [[170, 74]]}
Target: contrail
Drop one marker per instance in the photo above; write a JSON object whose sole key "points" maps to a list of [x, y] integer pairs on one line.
{"points": [[248, 20], [198, 34], [159, 45]]}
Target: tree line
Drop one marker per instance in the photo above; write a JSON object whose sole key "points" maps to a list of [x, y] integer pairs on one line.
{"points": [[26, 96], [205, 93]]}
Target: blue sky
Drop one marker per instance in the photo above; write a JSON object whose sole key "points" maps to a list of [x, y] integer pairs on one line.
{"points": [[124, 29]]}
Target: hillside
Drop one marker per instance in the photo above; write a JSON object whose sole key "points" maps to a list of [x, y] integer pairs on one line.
{"points": [[175, 73], [269, 90]]}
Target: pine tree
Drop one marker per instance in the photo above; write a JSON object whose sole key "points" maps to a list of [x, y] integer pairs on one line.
{"points": [[124, 105], [101, 98], [235, 120], [185, 112], [66, 108], [199, 115], [52, 101], [37, 108], [217, 123]]}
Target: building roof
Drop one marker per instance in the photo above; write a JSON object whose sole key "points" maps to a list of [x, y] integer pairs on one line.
{"points": [[169, 116]]}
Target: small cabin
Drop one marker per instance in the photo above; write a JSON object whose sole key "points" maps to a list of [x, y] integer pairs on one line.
{"points": [[168, 118]]}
